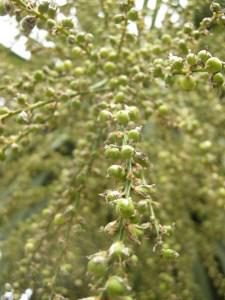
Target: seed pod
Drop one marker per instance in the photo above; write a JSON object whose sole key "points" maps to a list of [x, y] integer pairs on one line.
{"points": [[98, 265], [115, 286], [118, 249], [188, 83], [125, 207], [214, 65], [115, 171], [127, 152]]}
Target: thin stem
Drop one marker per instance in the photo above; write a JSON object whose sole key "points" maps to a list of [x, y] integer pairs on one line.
{"points": [[122, 37], [155, 13], [145, 6], [105, 14]]}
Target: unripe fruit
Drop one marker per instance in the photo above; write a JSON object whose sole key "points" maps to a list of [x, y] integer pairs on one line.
{"points": [[132, 14], [125, 207], [105, 115], [112, 152], [177, 64], [204, 55], [118, 18], [43, 7], [206, 145], [67, 23], [127, 152], [188, 27], [29, 247], [133, 113], [192, 59], [97, 265], [51, 23], [77, 52], [118, 249], [52, 12], [214, 65], [120, 97], [110, 67], [123, 117], [183, 45], [218, 79], [39, 75], [112, 195], [80, 37], [115, 286], [163, 109], [215, 7], [104, 52], [115, 171], [169, 253], [188, 83], [166, 39], [59, 219], [134, 135], [123, 80]]}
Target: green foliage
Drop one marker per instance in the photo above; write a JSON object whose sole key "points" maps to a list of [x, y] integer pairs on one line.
{"points": [[112, 153]]}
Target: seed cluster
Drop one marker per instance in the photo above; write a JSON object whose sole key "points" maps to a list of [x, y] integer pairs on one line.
{"points": [[112, 152]]}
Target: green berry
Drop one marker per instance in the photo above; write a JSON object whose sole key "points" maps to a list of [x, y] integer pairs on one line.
{"points": [[123, 117], [192, 59], [43, 7], [52, 12], [163, 109], [115, 286], [51, 23], [177, 64], [112, 152], [133, 113], [104, 52], [218, 79], [204, 55], [188, 27], [123, 80], [110, 67], [166, 39], [214, 65], [115, 171], [118, 18], [98, 265], [125, 207], [118, 249], [215, 7], [59, 219], [67, 23], [39, 75], [77, 52], [120, 97], [29, 247], [105, 115], [169, 253], [205, 146], [134, 134], [132, 15], [112, 195], [127, 151], [80, 37], [188, 83]]}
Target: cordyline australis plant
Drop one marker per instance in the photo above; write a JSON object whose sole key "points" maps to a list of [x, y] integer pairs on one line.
{"points": [[112, 152]]}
